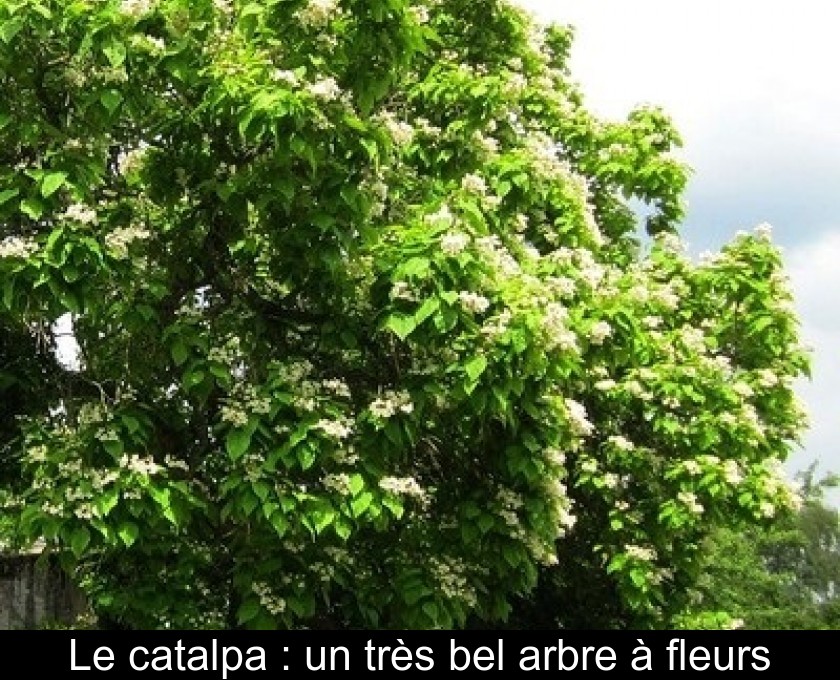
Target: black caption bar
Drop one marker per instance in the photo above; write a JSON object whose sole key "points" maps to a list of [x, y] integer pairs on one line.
{"points": [[239, 654]]}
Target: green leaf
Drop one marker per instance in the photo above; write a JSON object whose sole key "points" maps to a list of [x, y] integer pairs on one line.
{"points": [[280, 523], [248, 610], [52, 182], [180, 352], [193, 378], [361, 503], [8, 194], [357, 483], [79, 540], [238, 441], [114, 447], [9, 28], [475, 367], [485, 523], [322, 518], [401, 324], [394, 505], [430, 609], [343, 528], [107, 501], [128, 533], [115, 52], [111, 99], [32, 208], [429, 307]]}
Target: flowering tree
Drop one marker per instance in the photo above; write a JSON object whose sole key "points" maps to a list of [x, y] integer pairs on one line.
{"points": [[366, 332]]}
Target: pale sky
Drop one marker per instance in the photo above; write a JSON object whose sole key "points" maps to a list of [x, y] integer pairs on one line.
{"points": [[755, 91]]}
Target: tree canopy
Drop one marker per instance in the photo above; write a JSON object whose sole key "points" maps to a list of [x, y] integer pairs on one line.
{"points": [[784, 576], [368, 331]]}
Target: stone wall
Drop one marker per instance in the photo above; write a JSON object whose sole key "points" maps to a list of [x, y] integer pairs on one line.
{"points": [[34, 593]]}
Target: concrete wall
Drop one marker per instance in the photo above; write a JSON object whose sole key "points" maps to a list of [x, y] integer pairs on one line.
{"points": [[34, 593]]}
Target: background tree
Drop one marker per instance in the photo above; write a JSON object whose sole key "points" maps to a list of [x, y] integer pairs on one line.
{"points": [[366, 329], [784, 576]]}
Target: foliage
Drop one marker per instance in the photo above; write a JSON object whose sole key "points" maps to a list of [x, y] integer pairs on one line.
{"points": [[784, 576], [367, 333]]}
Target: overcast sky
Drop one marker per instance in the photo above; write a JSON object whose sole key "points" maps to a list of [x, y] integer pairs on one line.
{"points": [[753, 87]]}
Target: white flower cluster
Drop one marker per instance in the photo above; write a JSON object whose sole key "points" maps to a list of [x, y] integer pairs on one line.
{"points": [[599, 332], [496, 325], [318, 13], [137, 8], [605, 385], [671, 243], [454, 243], [37, 454], [692, 467], [17, 247], [425, 127], [420, 14], [511, 503], [640, 553], [764, 231], [223, 6], [228, 354], [129, 162], [473, 302], [149, 43], [378, 190], [450, 574], [486, 144], [326, 89], [140, 465], [401, 290], [732, 472], [474, 184], [578, 420], [80, 213], [119, 240], [401, 132], [338, 482], [390, 403], [689, 499], [337, 386], [496, 254], [273, 605], [442, 218], [544, 159], [337, 429], [243, 401], [174, 463], [403, 486], [560, 336], [766, 378], [621, 443], [284, 76]]}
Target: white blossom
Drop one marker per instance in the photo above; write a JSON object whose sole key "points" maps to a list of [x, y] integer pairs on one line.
{"points": [[17, 247], [80, 213], [326, 89], [578, 419], [599, 332], [474, 184], [473, 302], [317, 13], [454, 243]]}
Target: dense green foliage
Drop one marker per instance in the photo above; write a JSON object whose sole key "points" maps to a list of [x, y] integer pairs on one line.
{"points": [[367, 334], [784, 576]]}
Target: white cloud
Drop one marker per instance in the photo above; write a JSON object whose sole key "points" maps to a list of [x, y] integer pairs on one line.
{"points": [[750, 85], [815, 276]]}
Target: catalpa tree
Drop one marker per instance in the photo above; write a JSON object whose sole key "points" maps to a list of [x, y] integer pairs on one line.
{"points": [[367, 334]]}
